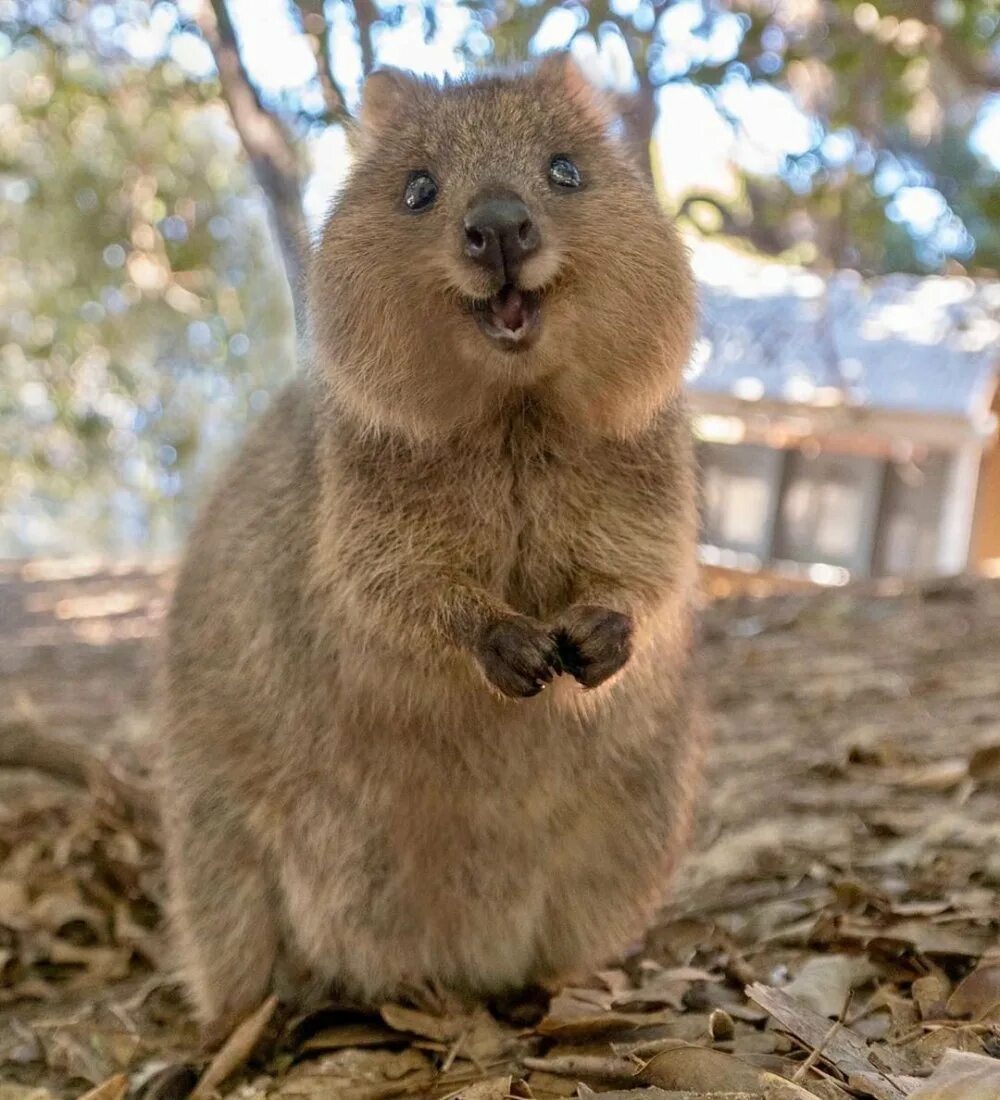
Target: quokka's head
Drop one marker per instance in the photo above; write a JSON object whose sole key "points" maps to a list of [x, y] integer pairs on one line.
{"points": [[494, 238]]}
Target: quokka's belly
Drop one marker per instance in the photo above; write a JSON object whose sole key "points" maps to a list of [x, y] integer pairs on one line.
{"points": [[496, 930], [478, 884]]}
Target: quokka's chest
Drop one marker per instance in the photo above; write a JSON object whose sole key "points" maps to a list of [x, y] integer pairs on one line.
{"points": [[506, 510], [543, 512]]}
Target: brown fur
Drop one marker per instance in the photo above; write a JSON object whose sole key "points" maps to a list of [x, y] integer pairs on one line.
{"points": [[422, 525]]}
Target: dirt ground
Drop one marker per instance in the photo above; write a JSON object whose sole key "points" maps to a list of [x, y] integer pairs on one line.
{"points": [[834, 932]]}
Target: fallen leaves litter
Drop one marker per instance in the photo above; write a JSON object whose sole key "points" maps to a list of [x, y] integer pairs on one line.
{"points": [[835, 935], [871, 1064]]}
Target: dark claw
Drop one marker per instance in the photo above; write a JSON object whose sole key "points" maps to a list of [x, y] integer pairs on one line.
{"points": [[518, 656], [594, 643]]}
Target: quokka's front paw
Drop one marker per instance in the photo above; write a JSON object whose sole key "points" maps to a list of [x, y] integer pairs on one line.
{"points": [[594, 643], [518, 656]]}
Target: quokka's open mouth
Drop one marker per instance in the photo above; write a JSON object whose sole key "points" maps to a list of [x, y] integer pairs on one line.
{"points": [[510, 318]]}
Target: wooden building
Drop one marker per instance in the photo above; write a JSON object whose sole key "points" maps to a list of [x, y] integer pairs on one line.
{"points": [[847, 428]]}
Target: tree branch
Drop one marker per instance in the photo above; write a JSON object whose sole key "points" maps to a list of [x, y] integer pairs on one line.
{"points": [[270, 152], [365, 17], [753, 228], [637, 110], [317, 29]]}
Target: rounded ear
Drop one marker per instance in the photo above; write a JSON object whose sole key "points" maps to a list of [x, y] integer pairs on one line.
{"points": [[384, 94], [561, 72]]}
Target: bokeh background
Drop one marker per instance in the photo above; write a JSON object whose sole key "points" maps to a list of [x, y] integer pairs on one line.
{"points": [[160, 162], [833, 165]]}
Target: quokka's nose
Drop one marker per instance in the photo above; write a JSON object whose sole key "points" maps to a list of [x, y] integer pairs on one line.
{"points": [[500, 235]]}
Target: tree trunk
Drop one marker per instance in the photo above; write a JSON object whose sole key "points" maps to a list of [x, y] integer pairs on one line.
{"points": [[268, 148]]}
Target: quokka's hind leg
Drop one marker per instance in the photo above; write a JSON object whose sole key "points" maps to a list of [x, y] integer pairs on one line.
{"points": [[222, 910]]}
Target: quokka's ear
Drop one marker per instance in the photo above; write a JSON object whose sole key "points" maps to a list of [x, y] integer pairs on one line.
{"points": [[558, 70], [385, 94]]}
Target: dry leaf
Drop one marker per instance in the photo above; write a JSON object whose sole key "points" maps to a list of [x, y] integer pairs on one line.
{"points": [[939, 775], [477, 1035], [236, 1049], [777, 1088], [358, 1034], [882, 1086], [928, 1050], [842, 1048], [692, 1027], [700, 1068], [666, 987], [112, 1089], [496, 1088], [570, 1017], [977, 994], [684, 1094], [931, 993], [961, 1076], [985, 764], [442, 1029], [721, 1026], [14, 904], [545, 1085], [359, 1075], [934, 940], [825, 982]]}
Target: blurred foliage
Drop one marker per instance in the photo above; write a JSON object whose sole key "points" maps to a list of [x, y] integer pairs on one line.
{"points": [[143, 311], [142, 314], [891, 89]]}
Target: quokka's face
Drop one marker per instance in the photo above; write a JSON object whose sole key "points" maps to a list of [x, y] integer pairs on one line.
{"points": [[487, 188], [495, 228]]}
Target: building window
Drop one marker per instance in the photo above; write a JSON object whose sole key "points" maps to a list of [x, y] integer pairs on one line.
{"points": [[829, 510], [909, 532], [763, 506], [739, 494]]}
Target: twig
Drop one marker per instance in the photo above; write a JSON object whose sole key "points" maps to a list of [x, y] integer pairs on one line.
{"points": [[24, 745], [816, 1052], [452, 1054], [585, 1065], [317, 29], [365, 16]]}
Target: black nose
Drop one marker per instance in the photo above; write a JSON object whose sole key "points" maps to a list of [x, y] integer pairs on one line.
{"points": [[500, 235]]}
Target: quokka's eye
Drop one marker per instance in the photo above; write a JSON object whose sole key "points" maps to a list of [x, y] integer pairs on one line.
{"points": [[421, 191], [563, 173]]}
